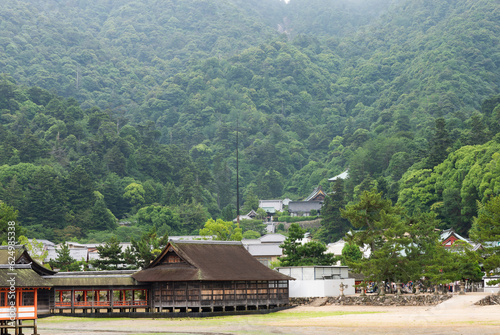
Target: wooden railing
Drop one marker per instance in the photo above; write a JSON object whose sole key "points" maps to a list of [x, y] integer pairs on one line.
{"points": [[119, 303]]}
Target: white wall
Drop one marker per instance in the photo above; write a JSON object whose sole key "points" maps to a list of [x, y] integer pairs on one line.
{"points": [[315, 272], [491, 288], [320, 288]]}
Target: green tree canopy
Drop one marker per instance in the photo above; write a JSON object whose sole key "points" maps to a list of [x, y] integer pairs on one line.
{"points": [[350, 254], [486, 230], [221, 230], [8, 218], [297, 254]]}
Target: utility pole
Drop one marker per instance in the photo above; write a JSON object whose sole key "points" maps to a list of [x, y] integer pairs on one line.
{"points": [[237, 177]]}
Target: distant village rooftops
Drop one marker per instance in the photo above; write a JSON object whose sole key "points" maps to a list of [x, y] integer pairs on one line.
{"points": [[273, 238]]}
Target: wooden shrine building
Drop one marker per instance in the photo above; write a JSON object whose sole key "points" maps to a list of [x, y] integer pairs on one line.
{"points": [[206, 276], [188, 276]]}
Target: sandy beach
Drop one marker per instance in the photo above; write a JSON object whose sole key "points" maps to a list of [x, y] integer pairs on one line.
{"points": [[457, 315]]}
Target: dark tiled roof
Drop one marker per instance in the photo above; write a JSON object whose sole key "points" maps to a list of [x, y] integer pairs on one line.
{"points": [[316, 193], [207, 261], [304, 206]]}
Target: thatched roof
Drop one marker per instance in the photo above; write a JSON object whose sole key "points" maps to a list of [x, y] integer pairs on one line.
{"points": [[22, 256], [92, 278], [23, 275], [206, 261]]}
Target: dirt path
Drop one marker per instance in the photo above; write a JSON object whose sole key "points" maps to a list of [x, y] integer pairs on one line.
{"points": [[457, 315]]}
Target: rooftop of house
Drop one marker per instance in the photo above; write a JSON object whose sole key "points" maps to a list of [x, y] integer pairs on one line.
{"points": [[343, 175], [316, 194], [304, 206]]}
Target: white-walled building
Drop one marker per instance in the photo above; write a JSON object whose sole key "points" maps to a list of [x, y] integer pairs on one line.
{"points": [[318, 281]]}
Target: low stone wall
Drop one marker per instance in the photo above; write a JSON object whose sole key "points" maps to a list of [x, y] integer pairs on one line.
{"points": [[489, 300], [376, 300]]}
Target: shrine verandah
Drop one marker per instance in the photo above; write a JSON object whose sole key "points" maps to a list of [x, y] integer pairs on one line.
{"points": [[97, 291]]}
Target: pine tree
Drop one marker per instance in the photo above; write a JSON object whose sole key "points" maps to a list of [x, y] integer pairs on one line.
{"points": [[101, 217], [110, 255], [379, 226], [486, 230], [333, 225], [64, 261], [298, 254], [143, 251]]}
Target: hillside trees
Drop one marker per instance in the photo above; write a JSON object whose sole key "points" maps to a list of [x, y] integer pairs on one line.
{"points": [[135, 108], [466, 176], [79, 190], [8, 223]]}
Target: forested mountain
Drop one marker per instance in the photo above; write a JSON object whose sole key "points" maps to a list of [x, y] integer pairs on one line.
{"points": [[129, 109]]}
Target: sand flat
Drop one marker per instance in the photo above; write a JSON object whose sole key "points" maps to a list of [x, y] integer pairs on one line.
{"points": [[457, 315]]}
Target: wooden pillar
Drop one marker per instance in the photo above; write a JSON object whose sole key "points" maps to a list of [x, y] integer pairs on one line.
{"points": [[36, 303], [73, 300], [246, 295], [150, 298], [18, 331], [200, 287], [186, 298], [268, 288], [92, 309]]}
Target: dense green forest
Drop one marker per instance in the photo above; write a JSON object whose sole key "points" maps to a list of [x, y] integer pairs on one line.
{"points": [[127, 110]]}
